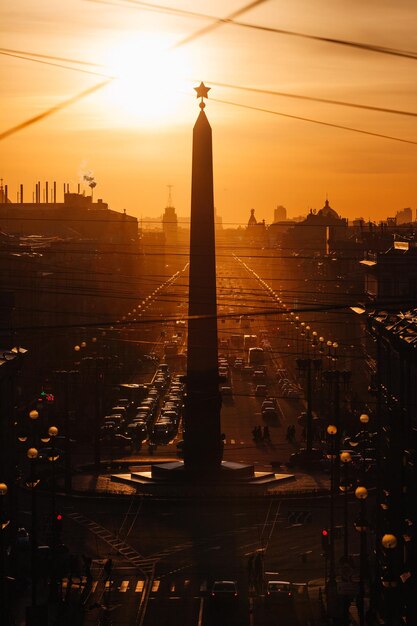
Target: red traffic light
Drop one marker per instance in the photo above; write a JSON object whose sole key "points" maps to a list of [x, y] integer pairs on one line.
{"points": [[324, 532], [59, 517]]}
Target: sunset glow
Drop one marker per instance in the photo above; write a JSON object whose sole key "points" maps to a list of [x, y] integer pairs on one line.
{"points": [[150, 79], [271, 148]]}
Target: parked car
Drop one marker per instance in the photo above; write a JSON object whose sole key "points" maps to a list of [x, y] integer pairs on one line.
{"points": [[270, 414], [305, 459], [261, 390], [278, 592], [224, 591]]}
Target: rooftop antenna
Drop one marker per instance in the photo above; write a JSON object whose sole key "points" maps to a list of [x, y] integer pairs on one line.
{"points": [[170, 195]]}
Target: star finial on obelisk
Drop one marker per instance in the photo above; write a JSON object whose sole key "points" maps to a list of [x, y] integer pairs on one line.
{"points": [[202, 92]]}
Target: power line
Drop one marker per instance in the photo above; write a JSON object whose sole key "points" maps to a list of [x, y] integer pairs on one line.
{"points": [[54, 109], [368, 47], [343, 103], [98, 86], [312, 121], [32, 56]]}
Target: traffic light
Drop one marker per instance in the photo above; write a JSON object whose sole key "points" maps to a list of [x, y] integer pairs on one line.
{"points": [[45, 397], [325, 541], [57, 524]]}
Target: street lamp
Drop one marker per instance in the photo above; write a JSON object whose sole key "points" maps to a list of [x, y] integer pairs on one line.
{"points": [[361, 493], [3, 525], [53, 432], [345, 458], [331, 582], [32, 455]]}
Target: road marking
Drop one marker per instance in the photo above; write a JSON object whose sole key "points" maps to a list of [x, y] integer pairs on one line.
{"points": [[155, 586], [107, 585], [124, 586], [203, 586], [241, 443], [232, 441], [94, 586], [172, 587], [200, 613], [139, 586], [186, 582], [175, 597]]}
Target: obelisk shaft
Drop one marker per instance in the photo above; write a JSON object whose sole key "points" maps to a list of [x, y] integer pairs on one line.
{"points": [[202, 431]]}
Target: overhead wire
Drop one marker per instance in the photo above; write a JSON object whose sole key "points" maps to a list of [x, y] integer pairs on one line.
{"points": [[365, 46], [313, 121]]}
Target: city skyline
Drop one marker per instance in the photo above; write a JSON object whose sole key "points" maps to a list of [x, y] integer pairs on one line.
{"points": [[136, 146]]}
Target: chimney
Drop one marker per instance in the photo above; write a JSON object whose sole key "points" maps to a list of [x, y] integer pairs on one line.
{"points": [[47, 192], [21, 194], [54, 191], [6, 193]]}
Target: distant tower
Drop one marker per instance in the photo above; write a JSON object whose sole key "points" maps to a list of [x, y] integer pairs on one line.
{"points": [[252, 220], [170, 220], [280, 214]]}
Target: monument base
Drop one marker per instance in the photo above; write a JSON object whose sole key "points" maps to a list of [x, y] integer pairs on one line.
{"points": [[229, 479]]}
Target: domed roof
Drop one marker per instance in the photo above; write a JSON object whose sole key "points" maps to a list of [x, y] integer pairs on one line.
{"points": [[327, 211]]}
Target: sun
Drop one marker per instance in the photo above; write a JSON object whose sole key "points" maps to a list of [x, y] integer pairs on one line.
{"points": [[150, 78]]}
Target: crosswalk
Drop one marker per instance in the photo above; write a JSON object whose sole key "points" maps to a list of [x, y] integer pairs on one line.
{"points": [[132, 585], [120, 546], [231, 442]]}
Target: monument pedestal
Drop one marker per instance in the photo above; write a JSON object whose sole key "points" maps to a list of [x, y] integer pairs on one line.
{"points": [[177, 480]]}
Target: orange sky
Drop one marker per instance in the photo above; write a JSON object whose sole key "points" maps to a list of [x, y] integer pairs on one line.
{"points": [[135, 135]]}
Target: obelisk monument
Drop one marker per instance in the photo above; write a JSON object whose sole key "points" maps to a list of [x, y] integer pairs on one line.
{"points": [[202, 431]]}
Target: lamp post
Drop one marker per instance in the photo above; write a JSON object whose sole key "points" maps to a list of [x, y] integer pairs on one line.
{"points": [[53, 432], [361, 493], [3, 524], [32, 455], [345, 458], [331, 582]]}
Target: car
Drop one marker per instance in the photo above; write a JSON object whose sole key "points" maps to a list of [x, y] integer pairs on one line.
{"points": [[120, 410], [261, 390], [226, 390], [137, 431], [269, 403], [224, 591], [259, 375], [270, 414], [305, 459], [278, 591]]}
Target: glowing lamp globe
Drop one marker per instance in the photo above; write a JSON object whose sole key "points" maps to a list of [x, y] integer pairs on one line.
{"points": [[389, 541], [361, 493], [331, 429]]}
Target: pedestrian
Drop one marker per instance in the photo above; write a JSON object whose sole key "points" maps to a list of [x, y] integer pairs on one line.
{"points": [[250, 571], [254, 433], [292, 433], [259, 433], [288, 435], [87, 562], [266, 435], [107, 569]]}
